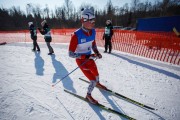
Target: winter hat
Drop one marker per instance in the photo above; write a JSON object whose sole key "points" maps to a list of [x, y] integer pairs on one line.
{"points": [[30, 23], [87, 13], [43, 22], [108, 22]]}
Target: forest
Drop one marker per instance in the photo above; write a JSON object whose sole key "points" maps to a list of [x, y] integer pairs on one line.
{"points": [[67, 16]]}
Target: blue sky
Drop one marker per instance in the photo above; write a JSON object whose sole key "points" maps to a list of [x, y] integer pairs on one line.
{"points": [[52, 3]]}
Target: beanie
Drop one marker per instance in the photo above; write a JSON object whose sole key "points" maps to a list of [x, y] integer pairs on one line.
{"points": [[108, 22], [30, 23], [87, 13]]}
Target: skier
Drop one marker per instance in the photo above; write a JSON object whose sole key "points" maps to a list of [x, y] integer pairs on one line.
{"points": [[33, 33], [108, 35], [81, 45], [47, 36]]}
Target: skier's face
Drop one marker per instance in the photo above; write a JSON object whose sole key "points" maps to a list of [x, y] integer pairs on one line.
{"points": [[107, 22], [88, 24]]}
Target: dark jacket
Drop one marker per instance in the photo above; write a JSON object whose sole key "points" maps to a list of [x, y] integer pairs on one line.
{"points": [[33, 32], [108, 31], [46, 31]]}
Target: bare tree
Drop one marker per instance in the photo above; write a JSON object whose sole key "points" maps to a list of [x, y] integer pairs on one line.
{"points": [[68, 8], [46, 11], [66, 16]]}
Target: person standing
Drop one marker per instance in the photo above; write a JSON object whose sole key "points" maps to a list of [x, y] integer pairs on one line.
{"points": [[81, 45], [47, 36], [33, 33], [108, 33]]}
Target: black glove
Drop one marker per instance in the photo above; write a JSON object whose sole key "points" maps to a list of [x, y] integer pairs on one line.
{"points": [[98, 55]]}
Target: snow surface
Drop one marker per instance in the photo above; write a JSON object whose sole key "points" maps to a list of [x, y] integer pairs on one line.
{"points": [[26, 92]]}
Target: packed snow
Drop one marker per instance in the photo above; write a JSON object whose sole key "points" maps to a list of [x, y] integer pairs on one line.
{"points": [[26, 91]]}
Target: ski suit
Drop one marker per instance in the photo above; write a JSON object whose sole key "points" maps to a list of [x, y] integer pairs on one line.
{"points": [[80, 46]]}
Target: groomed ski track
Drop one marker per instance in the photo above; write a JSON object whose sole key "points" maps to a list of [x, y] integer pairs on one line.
{"points": [[26, 92]]}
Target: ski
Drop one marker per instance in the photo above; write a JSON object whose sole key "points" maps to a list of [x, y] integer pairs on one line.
{"points": [[124, 97], [101, 106]]}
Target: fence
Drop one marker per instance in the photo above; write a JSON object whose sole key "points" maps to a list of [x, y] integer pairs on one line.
{"points": [[162, 46]]}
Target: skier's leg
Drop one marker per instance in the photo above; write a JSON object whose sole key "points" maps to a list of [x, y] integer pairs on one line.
{"points": [[85, 69], [93, 68], [87, 72]]}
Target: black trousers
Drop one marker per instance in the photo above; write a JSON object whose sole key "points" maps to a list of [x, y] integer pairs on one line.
{"points": [[108, 43], [49, 47], [35, 44]]}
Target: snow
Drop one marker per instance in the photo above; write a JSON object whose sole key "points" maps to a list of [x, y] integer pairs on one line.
{"points": [[26, 91]]}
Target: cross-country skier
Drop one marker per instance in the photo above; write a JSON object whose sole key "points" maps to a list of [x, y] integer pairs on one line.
{"points": [[81, 44], [33, 33], [108, 33], [47, 36]]}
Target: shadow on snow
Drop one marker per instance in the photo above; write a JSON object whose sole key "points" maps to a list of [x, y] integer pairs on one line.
{"points": [[60, 72], [170, 74], [39, 64]]}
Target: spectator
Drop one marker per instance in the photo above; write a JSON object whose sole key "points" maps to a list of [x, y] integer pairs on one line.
{"points": [[33, 33], [47, 36], [108, 35]]}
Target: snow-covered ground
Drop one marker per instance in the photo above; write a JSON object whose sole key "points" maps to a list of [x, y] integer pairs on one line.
{"points": [[26, 92]]}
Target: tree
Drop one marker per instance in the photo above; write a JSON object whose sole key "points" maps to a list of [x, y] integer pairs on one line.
{"points": [[68, 8], [66, 16]]}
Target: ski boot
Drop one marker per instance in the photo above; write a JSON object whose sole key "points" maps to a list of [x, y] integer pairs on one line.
{"points": [[91, 99], [99, 85]]}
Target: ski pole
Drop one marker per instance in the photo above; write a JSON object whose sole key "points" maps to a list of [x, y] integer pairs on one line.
{"points": [[70, 72]]}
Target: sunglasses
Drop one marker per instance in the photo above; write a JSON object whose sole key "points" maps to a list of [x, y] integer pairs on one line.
{"points": [[89, 20]]}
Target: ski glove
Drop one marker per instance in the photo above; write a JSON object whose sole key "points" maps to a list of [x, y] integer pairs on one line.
{"points": [[99, 56], [93, 56]]}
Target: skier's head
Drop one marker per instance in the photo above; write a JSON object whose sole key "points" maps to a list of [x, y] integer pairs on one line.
{"points": [[30, 23], [43, 23], [87, 13], [108, 22], [87, 17]]}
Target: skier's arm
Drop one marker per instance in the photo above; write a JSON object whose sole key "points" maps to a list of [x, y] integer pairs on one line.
{"points": [[43, 32], [72, 47], [94, 47]]}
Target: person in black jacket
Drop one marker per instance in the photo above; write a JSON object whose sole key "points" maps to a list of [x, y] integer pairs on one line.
{"points": [[47, 36], [33, 33], [108, 33]]}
